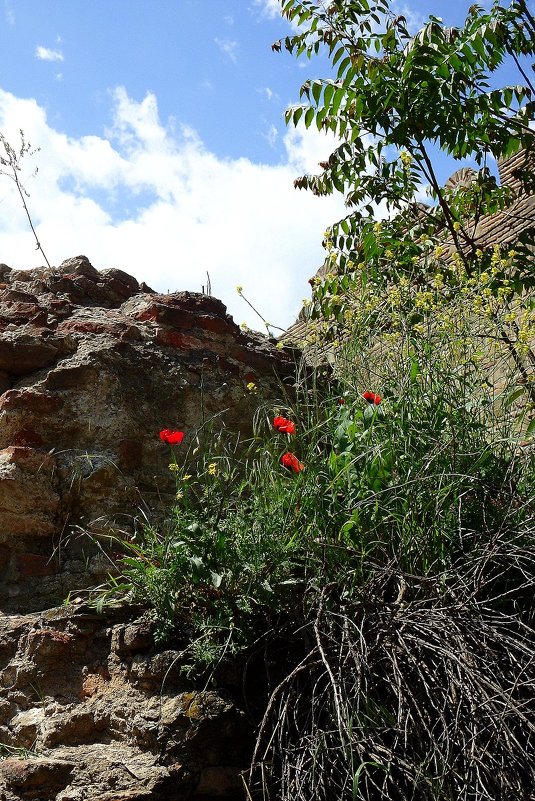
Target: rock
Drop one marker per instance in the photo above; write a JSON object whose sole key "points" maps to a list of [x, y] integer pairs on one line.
{"points": [[92, 366], [35, 778], [86, 731]]}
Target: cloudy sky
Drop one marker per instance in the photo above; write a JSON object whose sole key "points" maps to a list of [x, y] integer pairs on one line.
{"points": [[162, 145]]}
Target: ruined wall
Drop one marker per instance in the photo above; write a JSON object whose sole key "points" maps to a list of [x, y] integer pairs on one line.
{"points": [[92, 366], [91, 711]]}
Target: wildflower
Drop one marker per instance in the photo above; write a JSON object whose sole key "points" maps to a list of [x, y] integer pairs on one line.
{"points": [[173, 468], [292, 462], [283, 425], [171, 437], [341, 402], [251, 386], [186, 477], [212, 468], [179, 496], [371, 397], [239, 289]]}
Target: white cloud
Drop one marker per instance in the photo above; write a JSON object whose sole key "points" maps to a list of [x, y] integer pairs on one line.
{"points": [[272, 135], [228, 47], [9, 13], [189, 211], [271, 9], [46, 54], [415, 19]]}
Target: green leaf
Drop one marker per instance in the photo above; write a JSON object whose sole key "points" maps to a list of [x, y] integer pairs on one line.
{"points": [[216, 579], [316, 91], [517, 393]]}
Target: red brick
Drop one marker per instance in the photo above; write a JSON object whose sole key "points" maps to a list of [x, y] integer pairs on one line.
{"points": [[34, 565], [28, 437], [177, 340], [32, 401]]}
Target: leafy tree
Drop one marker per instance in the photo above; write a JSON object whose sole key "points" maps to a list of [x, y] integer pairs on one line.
{"points": [[394, 101], [395, 94]]}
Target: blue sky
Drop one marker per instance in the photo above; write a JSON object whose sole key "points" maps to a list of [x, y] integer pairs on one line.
{"points": [[163, 150]]}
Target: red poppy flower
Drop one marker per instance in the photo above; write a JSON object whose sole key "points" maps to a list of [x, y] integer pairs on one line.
{"points": [[171, 437], [341, 402], [292, 462], [284, 425], [371, 397]]}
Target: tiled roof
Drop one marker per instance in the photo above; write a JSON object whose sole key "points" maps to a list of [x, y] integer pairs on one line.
{"points": [[503, 227]]}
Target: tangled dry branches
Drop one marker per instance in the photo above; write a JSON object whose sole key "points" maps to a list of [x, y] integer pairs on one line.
{"points": [[431, 696]]}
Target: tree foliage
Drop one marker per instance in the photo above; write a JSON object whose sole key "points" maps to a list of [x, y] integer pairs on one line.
{"points": [[397, 97]]}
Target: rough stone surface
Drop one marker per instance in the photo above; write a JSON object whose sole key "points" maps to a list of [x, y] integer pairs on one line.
{"points": [[92, 366], [90, 711]]}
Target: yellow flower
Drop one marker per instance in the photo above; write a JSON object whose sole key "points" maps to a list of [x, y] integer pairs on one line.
{"points": [[239, 289], [179, 496], [456, 226], [174, 468], [251, 386], [186, 477], [212, 468]]}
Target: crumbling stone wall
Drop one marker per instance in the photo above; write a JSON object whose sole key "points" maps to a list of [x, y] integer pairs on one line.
{"points": [[92, 366], [91, 711]]}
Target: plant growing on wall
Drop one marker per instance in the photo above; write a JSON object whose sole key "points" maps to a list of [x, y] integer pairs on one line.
{"points": [[10, 167], [394, 102]]}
